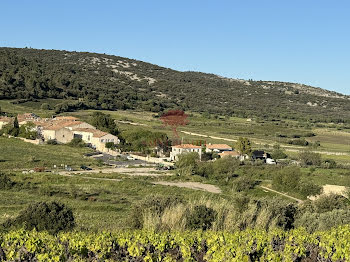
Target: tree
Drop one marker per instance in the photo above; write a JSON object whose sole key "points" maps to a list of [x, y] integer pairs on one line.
{"points": [[110, 145], [174, 119], [104, 122], [243, 145]]}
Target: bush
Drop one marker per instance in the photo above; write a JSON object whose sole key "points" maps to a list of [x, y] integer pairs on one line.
{"points": [[308, 158], [52, 142], [287, 179], [298, 142], [77, 142], [49, 216], [330, 202], [201, 217], [329, 163], [45, 106], [6, 182], [309, 189], [244, 183], [278, 154]]}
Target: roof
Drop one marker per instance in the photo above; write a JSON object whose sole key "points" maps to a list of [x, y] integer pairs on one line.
{"points": [[218, 146], [187, 146], [71, 118], [229, 153], [60, 124], [94, 132]]}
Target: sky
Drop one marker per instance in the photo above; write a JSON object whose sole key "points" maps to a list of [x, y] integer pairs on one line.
{"points": [[302, 41]]}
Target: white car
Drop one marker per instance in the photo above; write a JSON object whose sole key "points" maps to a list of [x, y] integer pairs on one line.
{"points": [[130, 158], [270, 161]]}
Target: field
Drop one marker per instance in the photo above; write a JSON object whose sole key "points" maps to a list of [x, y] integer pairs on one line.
{"points": [[102, 204]]}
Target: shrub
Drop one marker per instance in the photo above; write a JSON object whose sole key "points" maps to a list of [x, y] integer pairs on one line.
{"points": [[278, 154], [52, 142], [287, 179], [243, 183], [201, 217], [76, 142], [308, 158], [45, 106], [309, 189], [329, 163], [49, 216], [330, 202], [6, 182]]}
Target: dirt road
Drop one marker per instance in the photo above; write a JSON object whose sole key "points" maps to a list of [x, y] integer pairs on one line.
{"points": [[282, 194], [192, 185], [122, 170]]}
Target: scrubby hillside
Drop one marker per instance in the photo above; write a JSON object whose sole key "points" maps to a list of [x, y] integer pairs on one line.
{"points": [[110, 82]]}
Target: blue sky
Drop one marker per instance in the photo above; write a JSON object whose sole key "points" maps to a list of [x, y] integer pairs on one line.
{"points": [[303, 41]]}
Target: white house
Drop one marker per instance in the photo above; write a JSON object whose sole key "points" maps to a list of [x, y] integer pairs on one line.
{"points": [[185, 148], [96, 138], [4, 121]]}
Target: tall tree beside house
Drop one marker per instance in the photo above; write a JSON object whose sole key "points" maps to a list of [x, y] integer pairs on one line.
{"points": [[244, 146], [104, 122]]}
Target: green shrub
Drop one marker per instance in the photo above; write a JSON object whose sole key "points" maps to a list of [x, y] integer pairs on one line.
{"points": [[244, 183], [278, 154], [308, 158], [309, 189], [6, 182], [330, 202], [52, 142], [201, 217], [287, 179], [77, 142], [49, 216]]}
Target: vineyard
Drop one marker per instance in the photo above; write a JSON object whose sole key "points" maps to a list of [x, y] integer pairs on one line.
{"points": [[248, 245]]}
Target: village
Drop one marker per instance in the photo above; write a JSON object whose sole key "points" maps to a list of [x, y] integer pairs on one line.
{"points": [[63, 129]]}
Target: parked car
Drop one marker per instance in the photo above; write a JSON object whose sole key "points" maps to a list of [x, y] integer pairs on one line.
{"points": [[270, 161], [129, 158], [85, 167]]}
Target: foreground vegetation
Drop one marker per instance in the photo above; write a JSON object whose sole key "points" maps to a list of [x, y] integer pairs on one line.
{"points": [[248, 245]]}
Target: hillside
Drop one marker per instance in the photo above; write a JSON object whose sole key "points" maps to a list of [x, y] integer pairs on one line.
{"points": [[100, 81]]}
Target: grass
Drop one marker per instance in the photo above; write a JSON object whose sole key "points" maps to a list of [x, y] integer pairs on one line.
{"points": [[16, 154]]}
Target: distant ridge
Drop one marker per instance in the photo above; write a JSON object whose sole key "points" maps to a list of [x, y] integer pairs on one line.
{"points": [[100, 81]]}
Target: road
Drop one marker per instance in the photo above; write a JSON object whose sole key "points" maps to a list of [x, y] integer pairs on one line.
{"points": [[282, 194]]}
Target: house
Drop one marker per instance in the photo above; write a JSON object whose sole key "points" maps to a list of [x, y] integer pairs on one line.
{"points": [[218, 148], [27, 117], [260, 155], [185, 148], [234, 154], [96, 138], [58, 133], [4, 121]]}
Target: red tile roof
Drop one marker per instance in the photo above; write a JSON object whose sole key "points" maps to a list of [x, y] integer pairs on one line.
{"points": [[218, 146], [229, 153], [95, 132], [187, 146]]}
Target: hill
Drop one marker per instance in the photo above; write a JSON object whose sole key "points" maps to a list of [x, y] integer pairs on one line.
{"points": [[100, 81]]}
